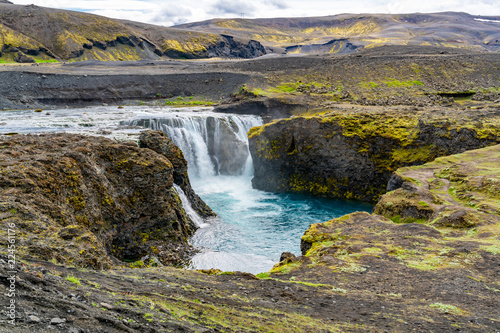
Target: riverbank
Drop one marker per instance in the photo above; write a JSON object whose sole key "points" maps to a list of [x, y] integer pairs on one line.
{"points": [[360, 273]]}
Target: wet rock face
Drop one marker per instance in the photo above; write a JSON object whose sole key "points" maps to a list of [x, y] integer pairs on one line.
{"points": [[89, 201], [161, 144], [353, 156]]}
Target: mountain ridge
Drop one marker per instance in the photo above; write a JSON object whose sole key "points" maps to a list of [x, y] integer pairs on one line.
{"points": [[44, 34], [32, 33], [449, 29]]}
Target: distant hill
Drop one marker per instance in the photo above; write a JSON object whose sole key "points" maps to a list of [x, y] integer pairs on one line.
{"points": [[332, 33], [29, 33], [32, 33]]}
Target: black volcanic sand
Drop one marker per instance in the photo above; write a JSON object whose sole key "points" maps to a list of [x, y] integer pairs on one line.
{"points": [[380, 76]]}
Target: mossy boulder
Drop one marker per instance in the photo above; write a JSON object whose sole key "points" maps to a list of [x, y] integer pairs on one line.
{"points": [[353, 154], [90, 201]]}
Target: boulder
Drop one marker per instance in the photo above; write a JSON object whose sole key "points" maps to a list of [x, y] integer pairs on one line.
{"points": [[24, 59]]}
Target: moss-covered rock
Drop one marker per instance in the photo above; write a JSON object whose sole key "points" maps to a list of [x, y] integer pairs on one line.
{"points": [[442, 253], [352, 155], [90, 201]]}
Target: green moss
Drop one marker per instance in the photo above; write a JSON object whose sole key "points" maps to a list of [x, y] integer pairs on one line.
{"points": [[495, 249], [446, 308], [78, 202], [190, 101], [73, 279], [286, 268], [408, 155], [137, 264], [263, 276], [405, 84]]}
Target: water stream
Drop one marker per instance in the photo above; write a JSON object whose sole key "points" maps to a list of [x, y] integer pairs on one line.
{"points": [[253, 227]]}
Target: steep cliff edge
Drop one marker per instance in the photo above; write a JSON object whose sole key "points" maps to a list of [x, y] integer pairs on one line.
{"points": [[92, 202], [441, 259], [353, 154], [359, 273]]}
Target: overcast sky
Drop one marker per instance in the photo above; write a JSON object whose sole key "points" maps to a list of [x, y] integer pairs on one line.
{"points": [[172, 12]]}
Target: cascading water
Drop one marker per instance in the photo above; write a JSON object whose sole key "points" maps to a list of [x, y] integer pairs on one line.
{"points": [[253, 227], [213, 144]]}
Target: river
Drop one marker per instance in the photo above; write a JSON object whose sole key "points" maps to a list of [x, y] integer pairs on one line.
{"points": [[252, 227]]}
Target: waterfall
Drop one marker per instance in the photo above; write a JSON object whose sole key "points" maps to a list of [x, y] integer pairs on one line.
{"points": [[213, 144], [186, 204]]}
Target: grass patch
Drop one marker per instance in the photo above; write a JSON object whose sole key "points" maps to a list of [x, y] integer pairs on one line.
{"points": [[446, 308], [263, 276], [43, 61], [189, 101], [495, 249], [74, 280]]}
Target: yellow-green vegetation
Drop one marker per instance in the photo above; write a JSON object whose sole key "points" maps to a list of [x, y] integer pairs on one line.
{"points": [[73, 279], [119, 52], [337, 238], [189, 43], [303, 86], [187, 101], [446, 308], [471, 212], [461, 200], [9, 37]]}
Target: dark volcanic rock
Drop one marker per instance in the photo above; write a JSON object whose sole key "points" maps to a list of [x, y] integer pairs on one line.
{"points": [[23, 58], [267, 108], [88, 200], [160, 143], [353, 155], [232, 48]]}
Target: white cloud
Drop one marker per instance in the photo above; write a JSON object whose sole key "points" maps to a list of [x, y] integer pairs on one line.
{"points": [[234, 7], [170, 12]]}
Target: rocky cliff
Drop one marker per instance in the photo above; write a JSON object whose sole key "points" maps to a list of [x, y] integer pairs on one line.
{"points": [[440, 258], [32, 33], [353, 154], [160, 143], [94, 202], [358, 273]]}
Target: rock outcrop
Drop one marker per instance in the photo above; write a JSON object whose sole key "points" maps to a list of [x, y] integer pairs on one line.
{"points": [[457, 192], [353, 155], [441, 257], [93, 202], [358, 273], [160, 143]]}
